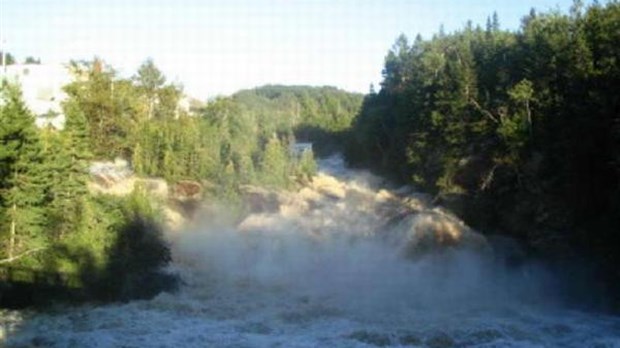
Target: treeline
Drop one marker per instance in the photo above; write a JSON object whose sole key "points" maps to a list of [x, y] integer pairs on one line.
{"points": [[243, 139], [11, 60], [519, 132]]}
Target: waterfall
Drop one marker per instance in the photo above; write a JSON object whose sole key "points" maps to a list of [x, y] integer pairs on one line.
{"points": [[344, 261]]}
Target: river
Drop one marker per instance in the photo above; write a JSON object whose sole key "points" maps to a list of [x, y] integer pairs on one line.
{"points": [[342, 262]]}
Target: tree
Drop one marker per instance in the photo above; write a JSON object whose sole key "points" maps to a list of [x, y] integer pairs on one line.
{"points": [[150, 79], [393, 73], [67, 156], [495, 22], [32, 60], [522, 93], [166, 102], [22, 178], [105, 102], [307, 164], [8, 57], [274, 165]]}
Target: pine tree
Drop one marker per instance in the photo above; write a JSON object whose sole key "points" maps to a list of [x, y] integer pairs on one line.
{"points": [[22, 175], [67, 158]]}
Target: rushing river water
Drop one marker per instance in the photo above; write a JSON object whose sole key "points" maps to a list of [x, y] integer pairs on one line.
{"points": [[340, 263]]}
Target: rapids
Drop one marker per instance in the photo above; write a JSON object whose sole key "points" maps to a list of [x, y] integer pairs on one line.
{"points": [[343, 262]]}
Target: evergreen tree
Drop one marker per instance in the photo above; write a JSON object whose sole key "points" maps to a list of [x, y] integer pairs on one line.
{"points": [[8, 56], [67, 157], [22, 180]]}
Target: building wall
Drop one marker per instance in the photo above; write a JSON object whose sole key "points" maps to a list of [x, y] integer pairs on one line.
{"points": [[42, 90]]}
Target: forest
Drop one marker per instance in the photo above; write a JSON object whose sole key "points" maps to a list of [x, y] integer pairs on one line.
{"points": [[113, 246], [517, 132]]}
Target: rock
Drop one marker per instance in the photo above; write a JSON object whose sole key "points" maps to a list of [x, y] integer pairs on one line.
{"points": [[417, 201], [328, 186], [187, 190], [309, 195], [292, 205], [258, 222], [121, 163], [111, 177], [112, 186], [260, 200], [418, 234], [110, 172], [385, 196]]}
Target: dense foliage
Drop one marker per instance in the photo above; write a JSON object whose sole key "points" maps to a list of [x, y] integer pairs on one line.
{"points": [[319, 115], [110, 247], [8, 56], [518, 132], [234, 139], [113, 245], [231, 141]]}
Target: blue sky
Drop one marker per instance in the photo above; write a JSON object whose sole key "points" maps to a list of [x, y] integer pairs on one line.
{"points": [[217, 47]]}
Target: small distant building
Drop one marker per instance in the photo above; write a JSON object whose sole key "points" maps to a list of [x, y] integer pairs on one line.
{"points": [[298, 149]]}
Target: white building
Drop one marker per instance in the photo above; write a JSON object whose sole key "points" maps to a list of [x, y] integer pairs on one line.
{"points": [[41, 87]]}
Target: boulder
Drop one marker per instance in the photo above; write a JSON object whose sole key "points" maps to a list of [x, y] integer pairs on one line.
{"points": [[260, 200], [434, 231], [187, 190], [328, 186]]}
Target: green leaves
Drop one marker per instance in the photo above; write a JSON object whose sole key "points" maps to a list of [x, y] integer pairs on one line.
{"points": [[149, 78], [522, 92]]}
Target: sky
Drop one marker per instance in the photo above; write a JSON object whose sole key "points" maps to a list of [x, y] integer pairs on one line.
{"points": [[216, 47]]}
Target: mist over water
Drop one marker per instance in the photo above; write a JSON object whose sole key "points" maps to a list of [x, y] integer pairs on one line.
{"points": [[339, 263]]}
